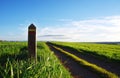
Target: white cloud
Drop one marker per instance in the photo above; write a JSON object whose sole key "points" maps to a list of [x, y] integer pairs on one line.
{"points": [[100, 29], [64, 20]]}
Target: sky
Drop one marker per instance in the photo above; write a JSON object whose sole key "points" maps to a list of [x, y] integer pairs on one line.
{"points": [[61, 20]]}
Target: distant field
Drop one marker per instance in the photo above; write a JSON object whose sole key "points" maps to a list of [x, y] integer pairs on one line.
{"points": [[14, 62], [110, 52]]}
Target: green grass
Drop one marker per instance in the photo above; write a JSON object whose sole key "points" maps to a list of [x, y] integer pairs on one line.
{"points": [[103, 51], [102, 72], [14, 62]]}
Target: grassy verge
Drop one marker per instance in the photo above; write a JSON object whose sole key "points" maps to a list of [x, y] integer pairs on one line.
{"points": [[102, 72], [14, 62]]}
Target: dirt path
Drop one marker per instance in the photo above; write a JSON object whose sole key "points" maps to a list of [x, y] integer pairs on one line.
{"points": [[113, 67], [76, 70]]}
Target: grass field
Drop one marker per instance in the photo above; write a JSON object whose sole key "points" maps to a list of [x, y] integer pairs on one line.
{"points": [[98, 70], [14, 62], [109, 52]]}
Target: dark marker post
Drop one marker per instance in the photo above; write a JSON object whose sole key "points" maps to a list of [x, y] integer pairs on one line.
{"points": [[32, 42]]}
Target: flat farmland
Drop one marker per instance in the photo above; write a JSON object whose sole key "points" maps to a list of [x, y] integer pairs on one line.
{"points": [[60, 60], [105, 56], [111, 52]]}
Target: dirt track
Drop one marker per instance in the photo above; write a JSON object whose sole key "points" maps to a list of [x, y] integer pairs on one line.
{"points": [[78, 71]]}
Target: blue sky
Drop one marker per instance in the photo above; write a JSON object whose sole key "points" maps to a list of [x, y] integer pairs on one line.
{"points": [[61, 20]]}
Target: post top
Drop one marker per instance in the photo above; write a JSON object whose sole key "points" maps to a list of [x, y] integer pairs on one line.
{"points": [[32, 26]]}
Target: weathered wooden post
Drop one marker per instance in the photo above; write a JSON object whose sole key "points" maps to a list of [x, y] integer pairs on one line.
{"points": [[32, 42]]}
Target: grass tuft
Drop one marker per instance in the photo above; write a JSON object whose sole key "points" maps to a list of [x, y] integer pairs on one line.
{"points": [[14, 62]]}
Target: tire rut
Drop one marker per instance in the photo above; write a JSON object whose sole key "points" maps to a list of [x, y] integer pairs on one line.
{"points": [[112, 67], [76, 70]]}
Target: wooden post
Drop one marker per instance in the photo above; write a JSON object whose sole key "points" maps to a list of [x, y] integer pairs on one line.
{"points": [[32, 42]]}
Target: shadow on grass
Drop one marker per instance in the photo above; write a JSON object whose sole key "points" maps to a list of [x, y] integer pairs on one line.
{"points": [[89, 53], [101, 57], [40, 47], [22, 55]]}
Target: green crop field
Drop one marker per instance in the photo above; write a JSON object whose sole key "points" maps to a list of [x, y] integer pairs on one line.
{"points": [[110, 52], [14, 62]]}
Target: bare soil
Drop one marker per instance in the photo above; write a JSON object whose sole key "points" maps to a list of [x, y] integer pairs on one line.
{"points": [[76, 70], [110, 66]]}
